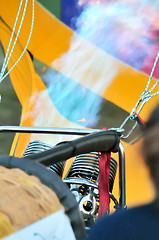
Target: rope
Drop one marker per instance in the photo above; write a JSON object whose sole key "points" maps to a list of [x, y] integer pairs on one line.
{"points": [[3, 66], [145, 97], [6, 61], [152, 71]]}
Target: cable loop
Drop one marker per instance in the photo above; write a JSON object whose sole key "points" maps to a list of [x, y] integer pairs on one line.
{"points": [[145, 97], [130, 132]]}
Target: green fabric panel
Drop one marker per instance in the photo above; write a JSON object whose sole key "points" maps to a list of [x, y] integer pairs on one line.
{"points": [[54, 6]]}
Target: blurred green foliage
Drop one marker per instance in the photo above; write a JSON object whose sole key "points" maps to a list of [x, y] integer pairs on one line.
{"points": [[10, 110], [54, 6]]}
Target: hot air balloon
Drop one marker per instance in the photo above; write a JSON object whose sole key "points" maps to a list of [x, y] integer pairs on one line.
{"points": [[85, 71]]}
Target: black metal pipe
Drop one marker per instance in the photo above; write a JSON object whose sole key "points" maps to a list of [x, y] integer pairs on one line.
{"points": [[103, 141]]}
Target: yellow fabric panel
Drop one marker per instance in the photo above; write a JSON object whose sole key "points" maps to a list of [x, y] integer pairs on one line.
{"points": [[50, 37]]}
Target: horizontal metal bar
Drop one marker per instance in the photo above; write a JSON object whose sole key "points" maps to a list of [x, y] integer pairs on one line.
{"points": [[49, 130]]}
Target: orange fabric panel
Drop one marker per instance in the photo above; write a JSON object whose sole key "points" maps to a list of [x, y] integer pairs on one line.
{"points": [[50, 37], [25, 82], [126, 89], [139, 188], [23, 73], [21, 140], [105, 75]]}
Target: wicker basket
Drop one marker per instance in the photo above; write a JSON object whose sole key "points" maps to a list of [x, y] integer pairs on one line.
{"points": [[23, 200]]}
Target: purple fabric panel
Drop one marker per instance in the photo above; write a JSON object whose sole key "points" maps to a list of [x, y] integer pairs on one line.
{"points": [[70, 10]]}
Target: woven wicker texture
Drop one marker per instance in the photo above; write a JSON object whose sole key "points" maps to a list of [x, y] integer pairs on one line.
{"points": [[23, 200]]}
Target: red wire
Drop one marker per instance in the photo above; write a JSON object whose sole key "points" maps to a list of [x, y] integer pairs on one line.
{"points": [[140, 119]]}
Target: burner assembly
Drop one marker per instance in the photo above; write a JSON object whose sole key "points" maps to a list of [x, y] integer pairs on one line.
{"points": [[82, 178]]}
